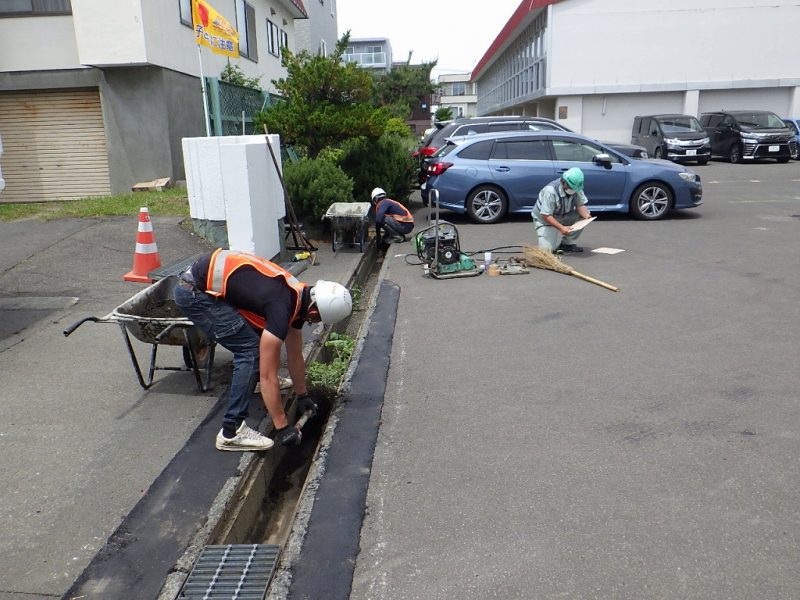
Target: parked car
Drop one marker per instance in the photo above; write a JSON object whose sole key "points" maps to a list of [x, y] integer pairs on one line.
{"points": [[747, 135], [679, 138], [491, 175], [467, 126], [794, 145]]}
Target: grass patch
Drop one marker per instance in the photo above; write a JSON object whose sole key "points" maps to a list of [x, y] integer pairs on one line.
{"points": [[328, 376], [173, 202]]}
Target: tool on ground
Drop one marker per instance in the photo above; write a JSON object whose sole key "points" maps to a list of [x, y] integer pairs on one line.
{"points": [[544, 259], [301, 256], [295, 230], [439, 250]]}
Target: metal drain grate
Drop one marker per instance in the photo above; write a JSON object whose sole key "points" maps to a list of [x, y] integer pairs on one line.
{"points": [[232, 572]]}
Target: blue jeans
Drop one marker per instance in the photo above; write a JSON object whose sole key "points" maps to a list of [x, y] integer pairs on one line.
{"points": [[223, 324]]}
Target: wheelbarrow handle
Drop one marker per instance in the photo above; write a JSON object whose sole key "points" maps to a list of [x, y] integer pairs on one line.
{"points": [[74, 326]]}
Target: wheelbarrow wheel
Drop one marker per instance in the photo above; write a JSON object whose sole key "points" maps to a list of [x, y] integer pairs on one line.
{"points": [[202, 352]]}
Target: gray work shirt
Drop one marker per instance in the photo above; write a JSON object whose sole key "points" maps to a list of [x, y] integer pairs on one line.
{"points": [[554, 201]]}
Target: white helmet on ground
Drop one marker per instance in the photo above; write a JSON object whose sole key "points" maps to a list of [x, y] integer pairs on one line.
{"points": [[332, 300], [378, 194]]}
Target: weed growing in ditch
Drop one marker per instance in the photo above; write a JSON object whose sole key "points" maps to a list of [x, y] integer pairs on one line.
{"points": [[356, 293], [329, 375]]}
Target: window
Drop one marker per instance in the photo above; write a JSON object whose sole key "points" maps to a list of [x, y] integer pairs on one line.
{"points": [[284, 39], [28, 8], [273, 39], [578, 151], [512, 126], [477, 151], [186, 12], [459, 89], [246, 25], [521, 150], [472, 129]]}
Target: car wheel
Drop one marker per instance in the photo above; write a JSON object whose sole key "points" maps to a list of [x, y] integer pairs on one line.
{"points": [[486, 204], [651, 201], [783, 159], [735, 154], [795, 152], [658, 153]]}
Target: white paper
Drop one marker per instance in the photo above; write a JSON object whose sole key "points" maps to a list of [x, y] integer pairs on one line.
{"points": [[608, 250], [581, 224]]}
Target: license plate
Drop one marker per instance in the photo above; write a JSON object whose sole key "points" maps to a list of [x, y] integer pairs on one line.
{"points": [[774, 148], [691, 152]]}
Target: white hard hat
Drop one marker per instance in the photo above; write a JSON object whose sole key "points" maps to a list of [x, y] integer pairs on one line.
{"points": [[332, 300], [377, 193]]}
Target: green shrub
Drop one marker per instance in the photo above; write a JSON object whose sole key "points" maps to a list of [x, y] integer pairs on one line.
{"points": [[385, 163], [315, 184]]}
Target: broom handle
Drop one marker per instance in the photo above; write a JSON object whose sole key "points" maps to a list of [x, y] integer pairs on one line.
{"points": [[594, 281]]}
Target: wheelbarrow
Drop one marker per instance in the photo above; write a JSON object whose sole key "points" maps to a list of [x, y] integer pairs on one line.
{"points": [[152, 317], [348, 222]]}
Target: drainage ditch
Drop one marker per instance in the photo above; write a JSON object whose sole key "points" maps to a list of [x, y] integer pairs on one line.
{"points": [[267, 495]]}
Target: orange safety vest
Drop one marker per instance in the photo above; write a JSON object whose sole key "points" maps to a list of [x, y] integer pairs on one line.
{"points": [[225, 262], [405, 218]]}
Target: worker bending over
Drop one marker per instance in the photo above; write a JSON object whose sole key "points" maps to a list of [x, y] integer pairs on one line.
{"points": [[390, 216], [561, 203], [252, 306]]}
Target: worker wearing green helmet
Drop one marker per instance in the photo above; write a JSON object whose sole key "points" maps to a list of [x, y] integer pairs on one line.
{"points": [[561, 204]]}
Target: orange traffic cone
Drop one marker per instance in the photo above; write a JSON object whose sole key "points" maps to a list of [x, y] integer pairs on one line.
{"points": [[146, 257]]}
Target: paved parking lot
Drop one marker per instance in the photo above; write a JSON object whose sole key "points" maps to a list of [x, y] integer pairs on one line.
{"points": [[543, 437]]}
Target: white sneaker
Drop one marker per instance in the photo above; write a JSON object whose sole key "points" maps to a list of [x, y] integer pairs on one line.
{"points": [[245, 439], [285, 383]]}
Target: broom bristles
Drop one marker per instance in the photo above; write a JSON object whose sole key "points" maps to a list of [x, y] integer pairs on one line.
{"points": [[544, 259]]}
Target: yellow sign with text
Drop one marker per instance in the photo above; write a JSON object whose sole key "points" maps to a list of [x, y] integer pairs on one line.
{"points": [[213, 30]]}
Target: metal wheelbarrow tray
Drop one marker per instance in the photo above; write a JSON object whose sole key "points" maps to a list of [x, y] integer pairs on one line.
{"points": [[152, 317], [348, 217]]}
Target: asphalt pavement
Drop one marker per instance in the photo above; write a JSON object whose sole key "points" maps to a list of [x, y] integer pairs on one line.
{"points": [[540, 436], [81, 443]]}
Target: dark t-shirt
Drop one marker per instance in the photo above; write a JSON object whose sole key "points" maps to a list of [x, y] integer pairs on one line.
{"points": [[270, 297]]}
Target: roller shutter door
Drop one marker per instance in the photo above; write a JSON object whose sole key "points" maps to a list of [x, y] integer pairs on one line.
{"points": [[54, 146]]}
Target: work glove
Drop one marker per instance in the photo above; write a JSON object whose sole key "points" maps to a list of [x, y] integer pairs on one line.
{"points": [[288, 436], [305, 403]]}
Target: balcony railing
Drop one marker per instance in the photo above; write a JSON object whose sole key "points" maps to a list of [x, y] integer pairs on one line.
{"points": [[367, 59]]}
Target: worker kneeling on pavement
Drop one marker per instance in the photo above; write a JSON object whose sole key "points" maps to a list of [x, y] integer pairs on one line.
{"points": [[561, 204], [391, 217], [252, 306]]}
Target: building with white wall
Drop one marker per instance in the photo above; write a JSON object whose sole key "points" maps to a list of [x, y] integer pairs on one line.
{"points": [[595, 64], [96, 95], [457, 93], [318, 33], [370, 53]]}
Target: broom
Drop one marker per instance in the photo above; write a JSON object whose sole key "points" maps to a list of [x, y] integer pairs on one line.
{"points": [[544, 259]]}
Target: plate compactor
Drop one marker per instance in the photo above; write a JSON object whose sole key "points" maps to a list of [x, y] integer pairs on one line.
{"points": [[438, 248]]}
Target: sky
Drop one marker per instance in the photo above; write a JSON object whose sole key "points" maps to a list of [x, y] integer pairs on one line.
{"points": [[456, 33]]}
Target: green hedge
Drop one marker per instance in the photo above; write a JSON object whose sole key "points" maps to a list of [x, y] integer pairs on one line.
{"points": [[315, 184], [385, 163]]}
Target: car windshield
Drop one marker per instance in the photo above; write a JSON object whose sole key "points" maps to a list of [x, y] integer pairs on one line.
{"points": [[759, 119], [681, 125]]}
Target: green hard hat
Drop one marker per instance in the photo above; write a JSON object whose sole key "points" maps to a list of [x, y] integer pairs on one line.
{"points": [[574, 178]]}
